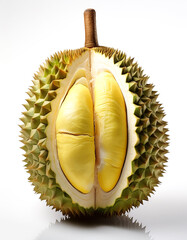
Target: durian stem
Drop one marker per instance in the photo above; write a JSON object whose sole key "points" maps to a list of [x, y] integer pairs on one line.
{"points": [[90, 28]]}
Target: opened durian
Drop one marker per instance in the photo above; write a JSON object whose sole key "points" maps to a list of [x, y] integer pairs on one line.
{"points": [[93, 132]]}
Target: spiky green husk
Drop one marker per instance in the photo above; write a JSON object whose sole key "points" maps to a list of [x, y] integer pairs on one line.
{"points": [[43, 91], [150, 160]]}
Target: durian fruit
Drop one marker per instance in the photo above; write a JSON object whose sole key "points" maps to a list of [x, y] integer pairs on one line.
{"points": [[93, 131]]}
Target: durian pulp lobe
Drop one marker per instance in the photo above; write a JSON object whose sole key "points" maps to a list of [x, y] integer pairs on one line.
{"points": [[75, 138], [110, 129], [80, 155]]}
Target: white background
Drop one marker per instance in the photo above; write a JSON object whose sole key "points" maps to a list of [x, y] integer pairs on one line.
{"points": [[155, 33]]}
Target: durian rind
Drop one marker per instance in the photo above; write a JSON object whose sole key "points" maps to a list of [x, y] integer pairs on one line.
{"points": [[151, 130], [150, 160], [33, 132]]}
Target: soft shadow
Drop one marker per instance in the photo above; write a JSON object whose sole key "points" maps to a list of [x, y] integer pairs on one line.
{"points": [[96, 227], [116, 221]]}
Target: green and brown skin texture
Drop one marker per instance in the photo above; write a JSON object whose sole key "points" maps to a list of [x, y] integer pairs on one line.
{"points": [[150, 160]]}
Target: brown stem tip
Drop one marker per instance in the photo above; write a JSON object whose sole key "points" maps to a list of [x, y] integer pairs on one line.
{"points": [[90, 28]]}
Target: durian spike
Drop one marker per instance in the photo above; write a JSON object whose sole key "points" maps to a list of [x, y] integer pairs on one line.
{"points": [[90, 28]]}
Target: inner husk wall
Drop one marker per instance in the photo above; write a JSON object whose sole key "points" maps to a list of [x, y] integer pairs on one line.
{"points": [[89, 64]]}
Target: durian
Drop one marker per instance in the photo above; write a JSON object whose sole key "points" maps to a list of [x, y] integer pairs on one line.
{"points": [[93, 132]]}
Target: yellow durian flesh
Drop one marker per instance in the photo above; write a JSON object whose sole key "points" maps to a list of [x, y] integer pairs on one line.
{"points": [[110, 128], [75, 140], [80, 155]]}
